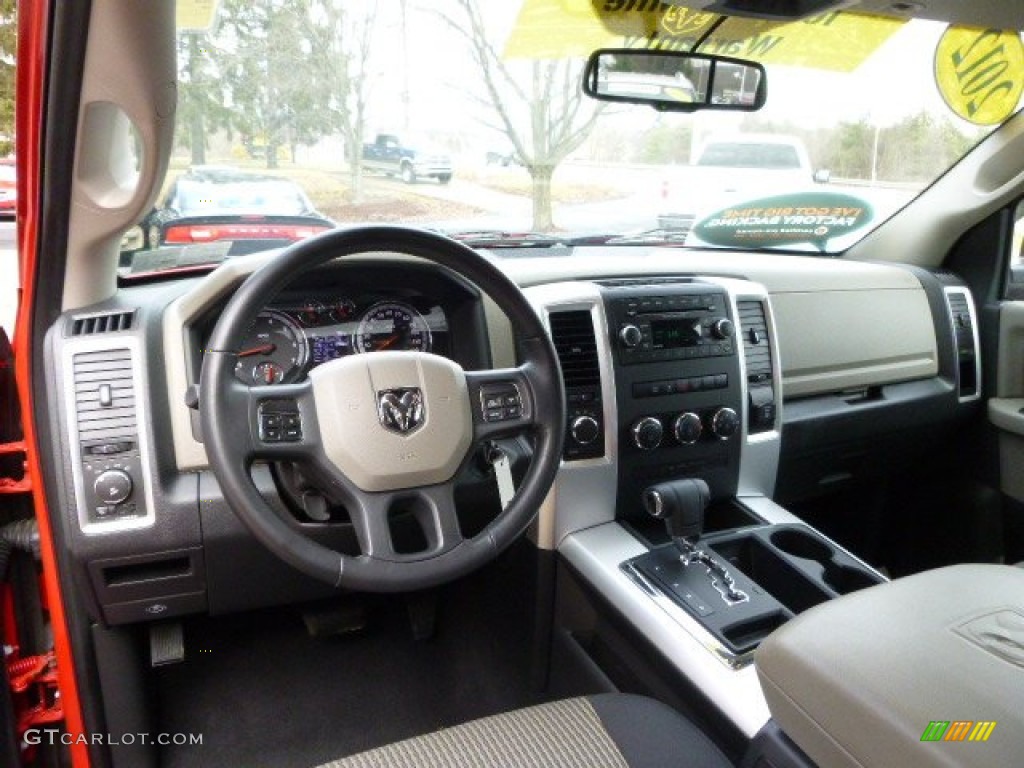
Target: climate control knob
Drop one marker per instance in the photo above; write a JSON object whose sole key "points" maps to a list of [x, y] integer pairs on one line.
{"points": [[630, 336], [647, 433], [113, 486], [725, 422], [687, 428], [723, 328], [584, 429]]}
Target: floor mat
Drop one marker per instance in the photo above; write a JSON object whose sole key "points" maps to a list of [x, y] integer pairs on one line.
{"points": [[263, 693]]}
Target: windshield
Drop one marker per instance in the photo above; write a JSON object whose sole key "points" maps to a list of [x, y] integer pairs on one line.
{"points": [[468, 117]]}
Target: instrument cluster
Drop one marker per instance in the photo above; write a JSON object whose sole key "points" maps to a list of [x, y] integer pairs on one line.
{"points": [[289, 338]]}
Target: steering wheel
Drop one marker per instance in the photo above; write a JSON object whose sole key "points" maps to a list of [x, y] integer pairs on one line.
{"points": [[382, 429]]}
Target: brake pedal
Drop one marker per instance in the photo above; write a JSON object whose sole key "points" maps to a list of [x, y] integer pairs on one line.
{"points": [[166, 643]]}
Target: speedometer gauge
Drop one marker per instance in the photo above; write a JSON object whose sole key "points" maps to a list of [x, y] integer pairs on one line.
{"points": [[274, 350], [392, 325]]}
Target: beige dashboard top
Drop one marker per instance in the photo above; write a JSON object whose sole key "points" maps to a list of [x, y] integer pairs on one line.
{"points": [[840, 324]]}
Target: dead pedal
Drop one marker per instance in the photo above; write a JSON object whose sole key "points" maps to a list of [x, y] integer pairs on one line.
{"points": [[166, 643]]}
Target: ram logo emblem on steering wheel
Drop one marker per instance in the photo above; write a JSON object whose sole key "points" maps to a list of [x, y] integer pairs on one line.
{"points": [[400, 410]]}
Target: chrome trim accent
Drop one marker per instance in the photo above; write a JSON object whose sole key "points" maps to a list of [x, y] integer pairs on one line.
{"points": [[102, 343], [600, 555], [401, 410], [584, 491], [948, 290]]}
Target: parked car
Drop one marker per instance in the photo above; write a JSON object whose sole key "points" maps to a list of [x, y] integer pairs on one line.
{"points": [[217, 204], [733, 168], [411, 160], [8, 188]]}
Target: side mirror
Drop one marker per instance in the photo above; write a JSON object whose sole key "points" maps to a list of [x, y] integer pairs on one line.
{"points": [[133, 240], [823, 176], [671, 81]]}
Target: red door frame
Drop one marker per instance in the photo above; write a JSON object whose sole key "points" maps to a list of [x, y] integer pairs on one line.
{"points": [[32, 68]]}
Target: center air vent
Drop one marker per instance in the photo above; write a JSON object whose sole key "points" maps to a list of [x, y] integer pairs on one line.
{"points": [[106, 323], [573, 336], [572, 333], [758, 356]]}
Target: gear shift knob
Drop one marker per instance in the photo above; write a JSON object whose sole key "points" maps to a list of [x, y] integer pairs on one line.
{"points": [[681, 504]]}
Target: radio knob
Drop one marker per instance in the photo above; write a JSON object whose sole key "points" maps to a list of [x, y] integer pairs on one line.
{"points": [[584, 429], [724, 423], [687, 428], [113, 486], [722, 328], [630, 336], [647, 433]]}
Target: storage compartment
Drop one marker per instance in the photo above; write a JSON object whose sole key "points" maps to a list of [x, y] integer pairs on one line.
{"points": [[750, 633], [722, 515], [764, 565]]}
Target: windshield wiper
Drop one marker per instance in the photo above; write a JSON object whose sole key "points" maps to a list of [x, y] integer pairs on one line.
{"points": [[498, 238]]}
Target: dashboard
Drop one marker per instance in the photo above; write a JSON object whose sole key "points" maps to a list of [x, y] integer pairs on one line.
{"points": [[674, 364]]}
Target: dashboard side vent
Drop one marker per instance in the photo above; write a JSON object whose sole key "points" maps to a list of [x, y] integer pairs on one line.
{"points": [[962, 319], [105, 323], [756, 349], [104, 396], [761, 408], [573, 335]]}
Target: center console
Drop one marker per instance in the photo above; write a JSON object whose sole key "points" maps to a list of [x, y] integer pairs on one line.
{"points": [[673, 385]]}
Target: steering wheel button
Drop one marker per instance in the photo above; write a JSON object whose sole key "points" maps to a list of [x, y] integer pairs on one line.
{"points": [[291, 421], [513, 412], [492, 401], [271, 420], [271, 434], [494, 414], [291, 434], [512, 399]]}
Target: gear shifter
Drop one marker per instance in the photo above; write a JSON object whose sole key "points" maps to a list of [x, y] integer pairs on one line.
{"points": [[681, 504]]}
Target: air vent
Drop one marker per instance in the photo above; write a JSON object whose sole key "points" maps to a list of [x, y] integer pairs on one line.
{"points": [[761, 409], [106, 323], [573, 336], [104, 396], [756, 349], [962, 318]]}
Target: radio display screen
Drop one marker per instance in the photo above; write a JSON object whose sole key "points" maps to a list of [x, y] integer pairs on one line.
{"points": [[675, 333]]}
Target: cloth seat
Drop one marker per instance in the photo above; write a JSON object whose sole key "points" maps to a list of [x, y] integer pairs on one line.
{"points": [[604, 731]]}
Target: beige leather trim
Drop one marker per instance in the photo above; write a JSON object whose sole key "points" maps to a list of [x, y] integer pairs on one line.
{"points": [[373, 457], [857, 680]]}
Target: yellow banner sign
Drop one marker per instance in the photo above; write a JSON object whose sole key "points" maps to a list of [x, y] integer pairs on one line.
{"points": [[833, 41], [196, 15], [980, 73]]}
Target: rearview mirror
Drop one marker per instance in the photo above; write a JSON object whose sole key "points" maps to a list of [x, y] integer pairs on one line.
{"points": [[671, 81]]}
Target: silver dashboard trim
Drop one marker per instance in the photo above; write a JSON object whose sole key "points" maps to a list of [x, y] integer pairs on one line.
{"points": [[730, 682], [948, 291], [102, 343]]}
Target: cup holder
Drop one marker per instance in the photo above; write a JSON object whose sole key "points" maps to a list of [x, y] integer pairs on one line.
{"points": [[844, 579], [837, 576], [799, 544]]}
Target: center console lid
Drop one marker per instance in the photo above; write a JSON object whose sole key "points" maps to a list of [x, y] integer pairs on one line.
{"points": [[911, 672]]}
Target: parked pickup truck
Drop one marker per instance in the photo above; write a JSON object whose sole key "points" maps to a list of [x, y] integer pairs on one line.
{"points": [[409, 160], [734, 168]]}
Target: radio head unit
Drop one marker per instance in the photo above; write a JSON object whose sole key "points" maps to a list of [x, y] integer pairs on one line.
{"points": [[679, 322]]}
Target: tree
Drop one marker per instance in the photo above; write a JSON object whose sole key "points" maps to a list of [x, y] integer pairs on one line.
{"points": [[341, 39], [274, 102], [8, 59], [545, 96], [201, 100]]}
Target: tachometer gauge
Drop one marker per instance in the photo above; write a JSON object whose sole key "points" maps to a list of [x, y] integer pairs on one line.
{"points": [[392, 325], [274, 350], [342, 310]]}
